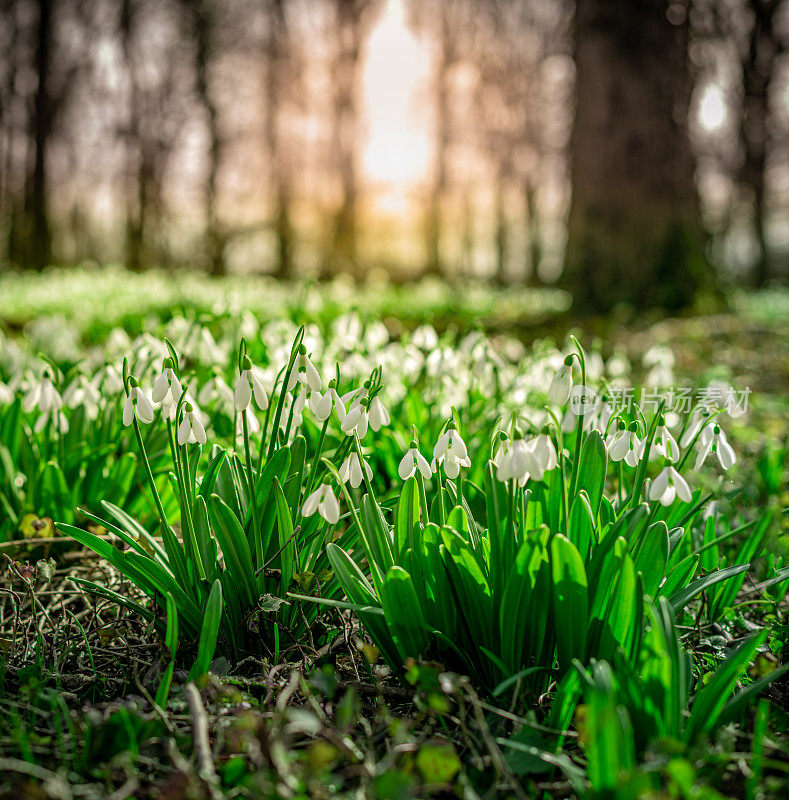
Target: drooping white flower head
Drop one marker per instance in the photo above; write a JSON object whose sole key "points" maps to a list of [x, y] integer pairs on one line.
{"points": [[668, 485], [321, 404], [628, 446], [665, 444], [324, 502], [378, 415], [46, 398], [545, 458], [562, 383], [248, 385], [356, 420], [412, 461], [191, 430], [451, 452], [351, 470], [83, 393], [515, 461], [137, 404], [167, 388], [215, 389], [713, 439], [425, 337], [699, 420], [43, 396], [304, 372]]}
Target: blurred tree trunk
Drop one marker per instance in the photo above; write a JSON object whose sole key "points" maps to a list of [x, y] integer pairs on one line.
{"points": [[350, 32], [136, 199], [276, 79], [758, 68], [40, 245], [634, 233], [532, 224], [501, 234], [442, 134], [203, 20]]}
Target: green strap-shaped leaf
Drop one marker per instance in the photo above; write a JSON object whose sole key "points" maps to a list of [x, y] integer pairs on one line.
{"points": [[208, 633], [570, 600], [684, 596], [592, 469], [404, 614], [235, 549]]}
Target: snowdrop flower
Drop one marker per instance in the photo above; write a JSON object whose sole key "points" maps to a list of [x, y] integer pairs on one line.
{"points": [[324, 502], [216, 389], [699, 419], [412, 461], [665, 444], [167, 388], [627, 446], [191, 430], [351, 470], [515, 461], [562, 383], [110, 379], [82, 392], [322, 404], [714, 439], [347, 331], [248, 385], [378, 415], [304, 372], [43, 396], [46, 398], [137, 405], [450, 450], [355, 420], [544, 452], [669, 485], [425, 337]]}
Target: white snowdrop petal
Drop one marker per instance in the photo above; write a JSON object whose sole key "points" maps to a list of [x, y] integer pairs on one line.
{"points": [[128, 411], [407, 466], [184, 430], [160, 388], [330, 508], [242, 394]]}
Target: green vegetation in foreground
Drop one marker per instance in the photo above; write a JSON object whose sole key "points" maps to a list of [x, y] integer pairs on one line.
{"points": [[547, 609]]}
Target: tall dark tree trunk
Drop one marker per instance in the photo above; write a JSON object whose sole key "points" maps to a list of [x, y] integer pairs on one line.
{"points": [[441, 143], [276, 79], [40, 235], [634, 232], [758, 68], [501, 231], [203, 14], [532, 224], [135, 189], [346, 121]]}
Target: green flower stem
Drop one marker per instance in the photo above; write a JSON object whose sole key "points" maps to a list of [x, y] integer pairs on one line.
{"points": [[259, 555], [157, 500], [579, 424], [420, 481], [316, 459], [281, 402]]}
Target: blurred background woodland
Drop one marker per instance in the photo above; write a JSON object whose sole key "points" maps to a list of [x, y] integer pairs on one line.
{"points": [[630, 150]]}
